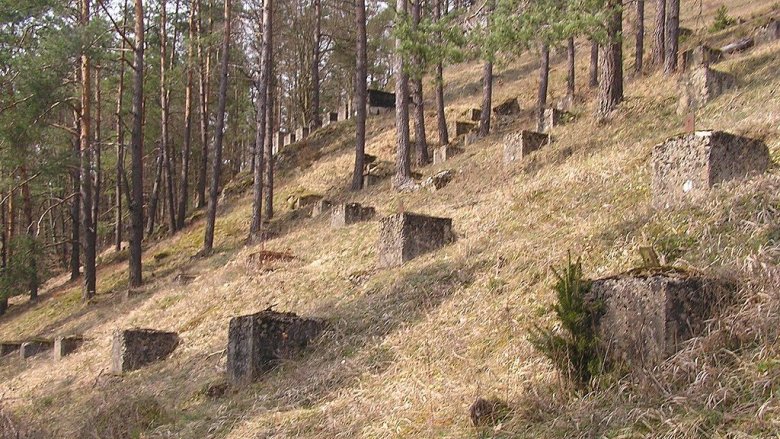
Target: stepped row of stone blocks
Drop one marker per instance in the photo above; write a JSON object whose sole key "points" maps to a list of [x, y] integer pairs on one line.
{"points": [[61, 346]]}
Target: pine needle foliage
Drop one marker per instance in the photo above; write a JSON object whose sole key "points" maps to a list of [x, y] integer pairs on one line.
{"points": [[722, 19], [572, 343]]}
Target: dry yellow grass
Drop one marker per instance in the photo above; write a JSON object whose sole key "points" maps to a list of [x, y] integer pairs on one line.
{"points": [[410, 348]]}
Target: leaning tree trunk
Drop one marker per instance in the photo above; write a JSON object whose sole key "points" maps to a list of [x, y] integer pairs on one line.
{"points": [[361, 95], [611, 64], [593, 80], [154, 198], [316, 118], [187, 146], [403, 174], [544, 77], [260, 123], [421, 146], [659, 33], [441, 117], [672, 36], [216, 168], [85, 143], [640, 35], [137, 151]]}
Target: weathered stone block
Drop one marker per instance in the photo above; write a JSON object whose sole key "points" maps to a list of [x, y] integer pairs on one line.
{"points": [[380, 99], [768, 33], [289, 138], [320, 207], [65, 345], [443, 153], [350, 213], [459, 128], [474, 114], [329, 118], [438, 180], [34, 347], [694, 162], [301, 133], [404, 236], [371, 180], [521, 143], [702, 85], [554, 117], [135, 348], [8, 347], [507, 107], [700, 56], [470, 138], [644, 317], [258, 341]]}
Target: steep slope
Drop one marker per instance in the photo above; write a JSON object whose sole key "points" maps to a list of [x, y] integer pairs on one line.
{"points": [[409, 349]]}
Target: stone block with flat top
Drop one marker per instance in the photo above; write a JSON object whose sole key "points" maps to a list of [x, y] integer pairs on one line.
{"points": [[695, 162], [701, 86], [350, 213], [459, 128], [257, 342], [34, 347], [700, 56], [9, 347], [507, 108], [404, 236], [521, 143], [443, 153], [135, 348], [66, 345]]}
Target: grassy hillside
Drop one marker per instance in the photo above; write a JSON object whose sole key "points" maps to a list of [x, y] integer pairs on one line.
{"points": [[409, 349]]}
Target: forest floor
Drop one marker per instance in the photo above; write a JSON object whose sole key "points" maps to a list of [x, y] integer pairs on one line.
{"points": [[408, 349]]}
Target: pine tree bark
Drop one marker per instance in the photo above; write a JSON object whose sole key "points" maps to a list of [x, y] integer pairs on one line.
{"points": [[611, 63], [402, 178], [640, 35], [204, 75], [261, 120], [421, 144], [544, 77], [593, 80], [154, 198], [3, 251], [27, 209], [120, 139], [75, 208], [219, 128], [361, 94], [85, 143], [316, 118], [137, 151], [659, 33], [187, 145], [672, 36], [268, 158], [97, 151], [165, 148], [441, 117]]}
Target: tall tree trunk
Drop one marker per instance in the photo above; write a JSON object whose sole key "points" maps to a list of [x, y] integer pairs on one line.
{"points": [[361, 94], [316, 118], [570, 79], [75, 207], [421, 145], [187, 146], [594, 64], [611, 60], [672, 36], [640, 35], [219, 128], [165, 148], [137, 151], [154, 198], [204, 75], [268, 186], [403, 172], [260, 122], [27, 208], [487, 98], [544, 76], [120, 139], [97, 150], [441, 118], [659, 33], [3, 252], [86, 165]]}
